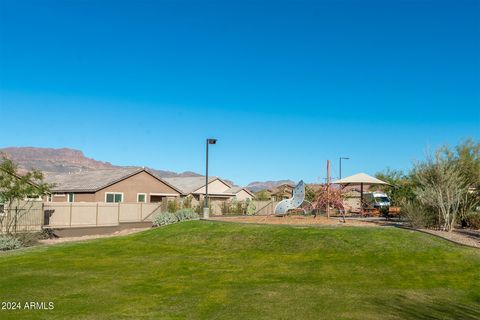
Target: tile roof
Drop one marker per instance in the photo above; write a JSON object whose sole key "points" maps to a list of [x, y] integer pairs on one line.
{"points": [[236, 190], [92, 180], [189, 184]]}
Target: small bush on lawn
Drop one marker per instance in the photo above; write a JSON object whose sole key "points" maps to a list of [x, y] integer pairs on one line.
{"points": [[251, 208], [186, 214], [28, 239], [48, 233], [164, 218], [417, 214], [173, 206], [9, 243]]}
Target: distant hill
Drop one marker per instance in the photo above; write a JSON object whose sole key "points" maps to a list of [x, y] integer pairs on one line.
{"points": [[71, 160], [67, 160], [262, 185]]}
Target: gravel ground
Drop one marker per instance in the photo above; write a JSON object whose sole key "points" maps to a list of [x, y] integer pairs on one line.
{"points": [[470, 239]]}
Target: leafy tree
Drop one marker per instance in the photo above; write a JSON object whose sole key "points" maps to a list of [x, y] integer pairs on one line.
{"points": [[173, 205], [440, 191], [15, 190], [401, 186], [466, 159], [262, 195], [251, 209], [441, 186]]}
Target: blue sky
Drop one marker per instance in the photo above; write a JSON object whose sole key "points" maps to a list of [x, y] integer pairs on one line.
{"points": [[284, 86]]}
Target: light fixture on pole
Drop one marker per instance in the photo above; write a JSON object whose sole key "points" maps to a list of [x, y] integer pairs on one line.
{"points": [[206, 210], [340, 165]]}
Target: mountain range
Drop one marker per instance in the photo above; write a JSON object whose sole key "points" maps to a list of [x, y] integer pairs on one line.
{"points": [[70, 160], [262, 185]]}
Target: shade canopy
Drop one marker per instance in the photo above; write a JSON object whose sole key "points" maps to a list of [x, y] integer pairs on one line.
{"points": [[360, 178]]}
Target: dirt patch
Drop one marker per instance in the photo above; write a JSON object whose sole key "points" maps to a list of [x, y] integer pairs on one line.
{"points": [[90, 237], [296, 220]]}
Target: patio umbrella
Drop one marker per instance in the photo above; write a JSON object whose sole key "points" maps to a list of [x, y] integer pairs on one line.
{"points": [[360, 179]]}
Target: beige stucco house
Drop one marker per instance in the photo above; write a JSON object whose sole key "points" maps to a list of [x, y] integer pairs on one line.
{"points": [[241, 194], [111, 185], [281, 192], [218, 189], [137, 185]]}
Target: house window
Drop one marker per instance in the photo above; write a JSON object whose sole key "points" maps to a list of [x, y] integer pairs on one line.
{"points": [[113, 197], [141, 197], [49, 198], [70, 197]]}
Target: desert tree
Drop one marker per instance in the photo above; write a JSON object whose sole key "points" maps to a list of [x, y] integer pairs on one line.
{"points": [[16, 192], [400, 188], [466, 159], [441, 186]]}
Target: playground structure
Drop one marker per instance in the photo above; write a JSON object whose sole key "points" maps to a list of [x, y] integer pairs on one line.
{"points": [[298, 203], [282, 208], [327, 198]]}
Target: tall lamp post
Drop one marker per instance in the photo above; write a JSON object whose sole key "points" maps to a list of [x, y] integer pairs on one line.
{"points": [[206, 210], [340, 165]]}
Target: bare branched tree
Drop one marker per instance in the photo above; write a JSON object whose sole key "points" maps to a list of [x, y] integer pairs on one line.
{"points": [[441, 185], [326, 197]]}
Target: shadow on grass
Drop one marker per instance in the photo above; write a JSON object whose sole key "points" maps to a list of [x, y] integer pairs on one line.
{"points": [[410, 308]]}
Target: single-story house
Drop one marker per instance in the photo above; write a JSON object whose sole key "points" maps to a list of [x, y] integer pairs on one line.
{"points": [[281, 192], [110, 185], [136, 185], [218, 189], [241, 193]]}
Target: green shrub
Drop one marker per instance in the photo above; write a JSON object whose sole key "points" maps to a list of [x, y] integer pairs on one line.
{"points": [[251, 208], [186, 214], [173, 206], [225, 207], [473, 220], [418, 215], [263, 195], [239, 208], [164, 218], [187, 202], [235, 207], [28, 239], [9, 243], [48, 233], [199, 208]]}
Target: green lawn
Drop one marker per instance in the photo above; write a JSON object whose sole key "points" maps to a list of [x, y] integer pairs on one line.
{"points": [[212, 270]]}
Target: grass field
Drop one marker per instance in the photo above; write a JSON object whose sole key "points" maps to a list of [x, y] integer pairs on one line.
{"points": [[213, 270]]}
